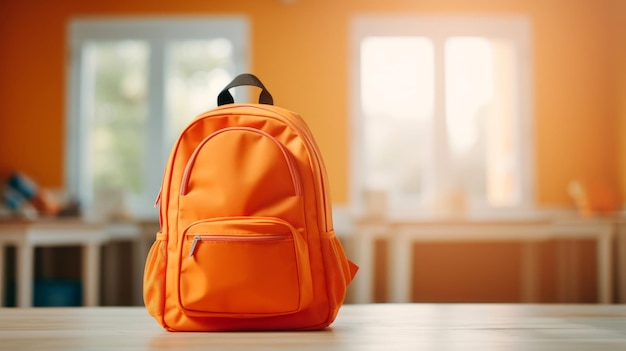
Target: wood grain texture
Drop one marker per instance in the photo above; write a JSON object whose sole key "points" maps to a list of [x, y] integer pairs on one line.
{"points": [[358, 327]]}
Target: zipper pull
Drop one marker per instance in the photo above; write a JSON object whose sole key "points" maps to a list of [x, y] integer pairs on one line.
{"points": [[193, 246], [158, 199]]}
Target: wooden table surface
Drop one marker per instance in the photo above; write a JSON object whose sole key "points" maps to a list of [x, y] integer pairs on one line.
{"points": [[358, 327]]}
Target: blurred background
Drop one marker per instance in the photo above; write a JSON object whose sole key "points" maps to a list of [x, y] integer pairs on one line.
{"points": [[442, 123]]}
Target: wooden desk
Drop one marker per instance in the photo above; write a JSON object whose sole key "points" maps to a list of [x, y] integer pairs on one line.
{"points": [[358, 327], [26, 235], [403, 234]]}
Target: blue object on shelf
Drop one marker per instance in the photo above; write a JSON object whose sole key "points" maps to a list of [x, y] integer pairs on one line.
{"points": [[51, 293]]}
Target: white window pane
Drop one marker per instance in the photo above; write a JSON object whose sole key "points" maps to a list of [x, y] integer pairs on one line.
{"points": [[503, 154], [128, 67], [115, 97], [480, 116], [197, 70], [397, 103]]}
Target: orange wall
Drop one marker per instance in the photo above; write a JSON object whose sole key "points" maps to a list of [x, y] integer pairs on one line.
{"points": [[300, 50], [619, 10]]}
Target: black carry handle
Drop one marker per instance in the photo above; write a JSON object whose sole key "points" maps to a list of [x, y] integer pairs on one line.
{"points": [[225, 97]]}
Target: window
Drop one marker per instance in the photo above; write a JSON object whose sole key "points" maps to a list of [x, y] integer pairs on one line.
{"points": [[134, 84], [441, 115]]}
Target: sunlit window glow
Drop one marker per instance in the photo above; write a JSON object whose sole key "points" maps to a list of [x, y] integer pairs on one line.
{"points": [[398, 103]]}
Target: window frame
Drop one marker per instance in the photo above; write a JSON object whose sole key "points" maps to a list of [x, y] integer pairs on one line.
{"points": [[515, 28], [157, 32]]}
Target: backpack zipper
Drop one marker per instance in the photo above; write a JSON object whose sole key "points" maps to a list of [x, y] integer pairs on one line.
{"points": [[231, 238]]}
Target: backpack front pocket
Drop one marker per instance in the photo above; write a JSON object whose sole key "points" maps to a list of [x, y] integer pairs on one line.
{"points": [[243, 267]]}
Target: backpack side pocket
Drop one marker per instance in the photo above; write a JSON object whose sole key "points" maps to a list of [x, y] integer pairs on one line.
{"points": [[339, 270], [154, 278]]}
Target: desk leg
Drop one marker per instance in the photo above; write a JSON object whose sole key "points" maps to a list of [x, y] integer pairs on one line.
{"points": [[24, 277], [621, 262], [364, 257], [401, 268], [91, 274], [3, 284], [604, 262]]}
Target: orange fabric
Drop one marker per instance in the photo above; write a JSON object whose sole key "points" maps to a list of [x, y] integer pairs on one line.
{"points": [[246, 240]]}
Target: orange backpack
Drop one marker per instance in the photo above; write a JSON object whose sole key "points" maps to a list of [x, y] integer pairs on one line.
{"points": [[246, 239]]}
